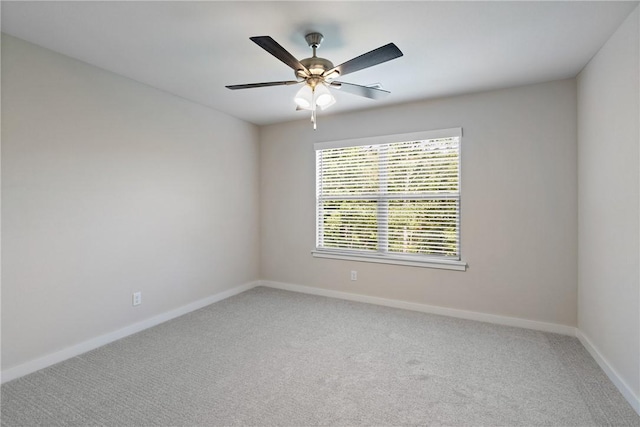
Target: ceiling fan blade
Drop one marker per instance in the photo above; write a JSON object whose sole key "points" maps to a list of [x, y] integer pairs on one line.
{"points": [[265, 84], [272, 46], [377, 56], [368, 92]]}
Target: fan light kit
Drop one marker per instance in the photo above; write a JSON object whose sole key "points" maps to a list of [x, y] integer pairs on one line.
{"points": [[319, 74]]}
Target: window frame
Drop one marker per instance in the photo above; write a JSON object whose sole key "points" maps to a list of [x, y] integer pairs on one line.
{"points": [[385, 257]]}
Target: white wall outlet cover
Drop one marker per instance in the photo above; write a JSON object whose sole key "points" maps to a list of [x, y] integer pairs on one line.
{"points": [[137, 298]]}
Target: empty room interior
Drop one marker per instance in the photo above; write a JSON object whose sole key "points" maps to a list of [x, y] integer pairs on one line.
{"points": [[320, 213]]}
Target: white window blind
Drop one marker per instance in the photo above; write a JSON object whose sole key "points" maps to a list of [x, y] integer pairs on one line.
{"points": [[390, 196]]}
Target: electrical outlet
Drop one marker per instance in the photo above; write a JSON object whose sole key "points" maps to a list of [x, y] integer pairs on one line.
{"points": [[354, 275], [137, 298]]}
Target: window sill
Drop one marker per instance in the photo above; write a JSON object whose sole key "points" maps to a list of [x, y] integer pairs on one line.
{"points": [[390, 259]]}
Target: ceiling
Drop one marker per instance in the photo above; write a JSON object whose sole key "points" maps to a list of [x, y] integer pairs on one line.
{"points": [[194, 49]]}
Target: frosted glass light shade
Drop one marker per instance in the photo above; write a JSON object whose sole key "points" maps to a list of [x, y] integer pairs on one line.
{"points": [[304, 97], [324, 98]]}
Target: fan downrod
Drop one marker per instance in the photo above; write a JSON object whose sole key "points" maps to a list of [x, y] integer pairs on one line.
{"points": [[316, 65]]}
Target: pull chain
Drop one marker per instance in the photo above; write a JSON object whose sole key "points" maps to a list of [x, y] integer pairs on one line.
{"points": [[313, 108]]}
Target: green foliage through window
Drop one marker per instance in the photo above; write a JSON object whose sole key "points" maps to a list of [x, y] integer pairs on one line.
{"points": [[395, 198]]}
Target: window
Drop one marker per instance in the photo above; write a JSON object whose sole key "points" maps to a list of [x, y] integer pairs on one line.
{"points": [[393, 199]]}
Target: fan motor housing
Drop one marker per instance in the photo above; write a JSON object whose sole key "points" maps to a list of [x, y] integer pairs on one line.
{"points": [[317, 66]]}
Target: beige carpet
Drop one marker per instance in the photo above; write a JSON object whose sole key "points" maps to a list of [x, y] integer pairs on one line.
{"points": [[270, 357]]}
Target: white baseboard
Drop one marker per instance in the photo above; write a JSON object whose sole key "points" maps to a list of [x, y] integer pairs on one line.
{"points": [[83, 347], [451, 312], [615, 378]]}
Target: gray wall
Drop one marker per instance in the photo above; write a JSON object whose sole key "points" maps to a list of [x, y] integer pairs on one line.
{"points": [[110, 187], [609, 215], [519, 204]]}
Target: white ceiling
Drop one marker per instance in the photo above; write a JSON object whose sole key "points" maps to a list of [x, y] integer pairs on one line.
{"points": [[194, 49]]}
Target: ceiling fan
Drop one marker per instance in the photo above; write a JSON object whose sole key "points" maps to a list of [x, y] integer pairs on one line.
{"points": [[318, 74]]}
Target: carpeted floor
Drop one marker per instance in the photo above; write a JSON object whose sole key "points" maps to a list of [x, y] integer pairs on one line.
{"points": [[271, 357]]}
